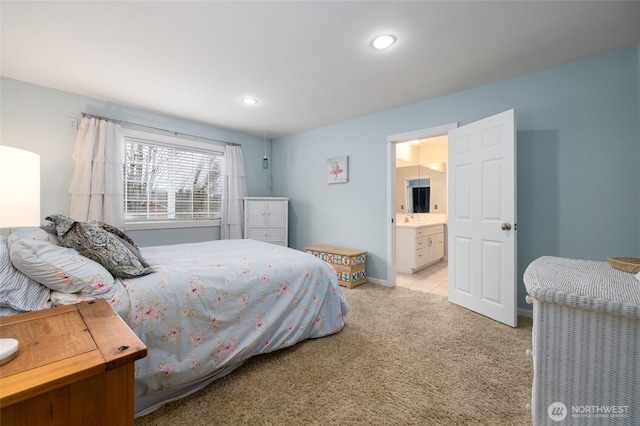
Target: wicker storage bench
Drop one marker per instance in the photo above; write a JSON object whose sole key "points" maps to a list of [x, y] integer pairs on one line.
{"points": [[586, 343], [350, 264]]}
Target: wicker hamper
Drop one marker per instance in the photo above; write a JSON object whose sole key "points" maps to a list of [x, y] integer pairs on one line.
{"points": [[586, 343]]}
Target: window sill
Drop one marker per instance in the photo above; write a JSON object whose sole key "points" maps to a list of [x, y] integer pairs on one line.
{"points": [[171, 224]]}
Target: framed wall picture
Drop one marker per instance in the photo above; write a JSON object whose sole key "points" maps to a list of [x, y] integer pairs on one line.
{"points": [[338, 169]]}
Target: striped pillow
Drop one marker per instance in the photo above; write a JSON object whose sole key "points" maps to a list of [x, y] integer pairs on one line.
{"points": [[19, 293]]}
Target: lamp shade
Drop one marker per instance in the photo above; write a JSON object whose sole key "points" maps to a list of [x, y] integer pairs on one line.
{"points": [[19, 188]]}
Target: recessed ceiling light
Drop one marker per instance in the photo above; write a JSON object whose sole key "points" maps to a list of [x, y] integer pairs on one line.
{"points": [[383, 41], [249, 101]]}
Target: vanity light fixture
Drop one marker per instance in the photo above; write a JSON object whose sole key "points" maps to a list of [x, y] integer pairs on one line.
{"points": [[383, 41], [249, 101]]}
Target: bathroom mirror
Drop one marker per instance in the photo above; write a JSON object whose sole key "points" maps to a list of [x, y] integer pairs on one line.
{"points": [[421, 176]]}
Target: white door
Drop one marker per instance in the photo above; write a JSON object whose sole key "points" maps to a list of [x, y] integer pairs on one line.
{"points": [[482, 217]]}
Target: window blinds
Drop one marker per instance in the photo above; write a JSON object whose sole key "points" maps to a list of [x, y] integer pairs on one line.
{"points": [[165, 182]]}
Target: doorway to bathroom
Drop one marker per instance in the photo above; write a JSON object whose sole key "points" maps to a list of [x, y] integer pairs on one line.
{"points": [[482, 217], [418, 172]]}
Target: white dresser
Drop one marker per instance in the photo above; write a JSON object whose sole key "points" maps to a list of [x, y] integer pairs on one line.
{"points": [[418, 246], [267, 219]]}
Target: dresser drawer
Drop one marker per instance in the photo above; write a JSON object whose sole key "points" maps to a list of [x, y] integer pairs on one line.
{"points": [[421, 242], [260, 233]]}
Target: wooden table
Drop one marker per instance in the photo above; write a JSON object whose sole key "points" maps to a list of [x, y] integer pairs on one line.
{"points": [[75, 366]]}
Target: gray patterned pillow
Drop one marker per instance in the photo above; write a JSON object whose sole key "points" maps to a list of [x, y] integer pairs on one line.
{"points": [[115, 231], [94, 242], [124, 239]]}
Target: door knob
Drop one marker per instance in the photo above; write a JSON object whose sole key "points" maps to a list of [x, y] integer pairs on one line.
{"points": [[506, 227]]}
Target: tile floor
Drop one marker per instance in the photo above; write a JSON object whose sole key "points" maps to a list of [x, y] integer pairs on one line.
{"points": [[433, 279]]}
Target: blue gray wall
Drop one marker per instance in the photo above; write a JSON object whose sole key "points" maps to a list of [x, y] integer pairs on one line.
{"points": [[38, 119], [578, 160], [578, 164]]}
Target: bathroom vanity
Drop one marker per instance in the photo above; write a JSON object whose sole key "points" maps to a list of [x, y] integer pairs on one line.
{"points": [[418, 245]]}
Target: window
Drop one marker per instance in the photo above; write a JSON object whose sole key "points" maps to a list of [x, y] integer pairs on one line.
{"points": [[171, 182]]}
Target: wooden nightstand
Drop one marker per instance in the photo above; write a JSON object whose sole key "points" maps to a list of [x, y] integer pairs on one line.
{"points": [[75, 366]]}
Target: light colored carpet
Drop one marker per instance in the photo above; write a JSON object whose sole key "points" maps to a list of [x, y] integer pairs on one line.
{"points": [[404, 358]]}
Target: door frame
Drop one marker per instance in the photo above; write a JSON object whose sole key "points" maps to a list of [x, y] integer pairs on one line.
{"points": [[392, 140]]}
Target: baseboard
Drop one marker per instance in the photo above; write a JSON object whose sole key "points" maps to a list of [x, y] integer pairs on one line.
{"points": [[377, 281], [528, 313]]}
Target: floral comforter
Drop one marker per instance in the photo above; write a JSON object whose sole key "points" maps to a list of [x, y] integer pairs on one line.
{"points": [[210, 306]]}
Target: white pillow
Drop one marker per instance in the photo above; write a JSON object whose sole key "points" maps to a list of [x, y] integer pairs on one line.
{"points": [[59, 268], [32, 233], [117, 297], [19, 293]]}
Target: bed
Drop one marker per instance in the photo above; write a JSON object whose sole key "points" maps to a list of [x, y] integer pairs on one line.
{"points": [[202, 309]]}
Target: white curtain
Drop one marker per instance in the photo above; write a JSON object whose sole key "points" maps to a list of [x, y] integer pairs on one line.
{"points": [[97, 185], [234, 188]]}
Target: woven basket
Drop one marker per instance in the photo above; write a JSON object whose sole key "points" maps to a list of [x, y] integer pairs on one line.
{"points": [[627, 264]]}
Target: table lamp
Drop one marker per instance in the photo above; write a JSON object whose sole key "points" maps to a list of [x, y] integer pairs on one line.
{"points": [[19, 206]]}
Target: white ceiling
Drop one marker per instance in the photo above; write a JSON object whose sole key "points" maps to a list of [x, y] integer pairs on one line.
{"points": [[309, 63]]}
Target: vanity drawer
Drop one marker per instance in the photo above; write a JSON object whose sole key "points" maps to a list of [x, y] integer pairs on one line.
{"points": [[418, 246], [421, 232], [421, 257], [429, 230], [435, 229]]}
